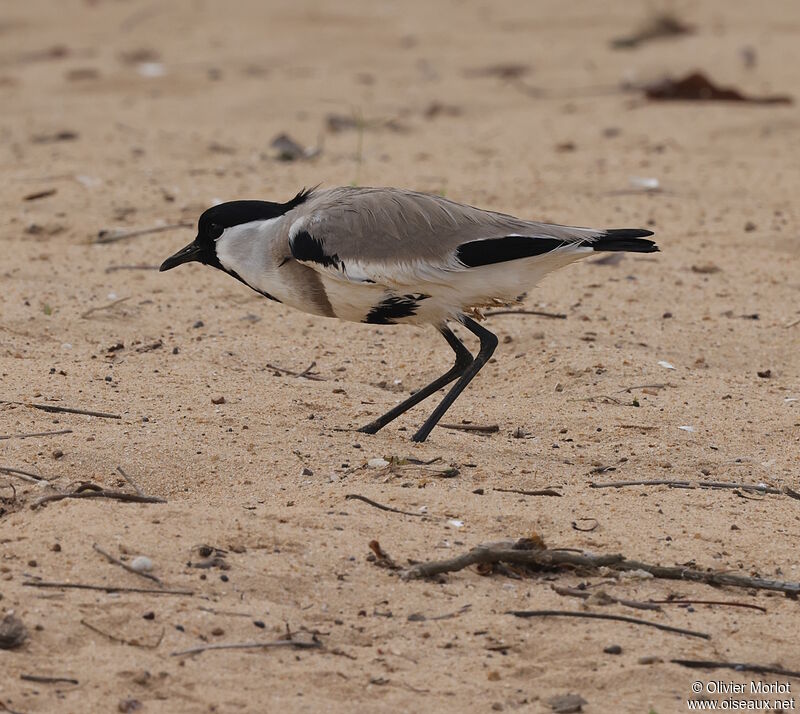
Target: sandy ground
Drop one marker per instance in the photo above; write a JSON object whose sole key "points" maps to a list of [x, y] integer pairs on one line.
{"points": [[135, 114]]}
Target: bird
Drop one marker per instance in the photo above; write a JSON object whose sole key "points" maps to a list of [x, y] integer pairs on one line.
{"points": [[386, 256]]}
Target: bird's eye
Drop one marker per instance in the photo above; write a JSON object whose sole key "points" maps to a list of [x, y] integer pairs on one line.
{"points": [[215, 230]]}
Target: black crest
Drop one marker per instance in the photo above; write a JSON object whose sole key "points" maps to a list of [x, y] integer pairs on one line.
{"points": [[234, 213]]}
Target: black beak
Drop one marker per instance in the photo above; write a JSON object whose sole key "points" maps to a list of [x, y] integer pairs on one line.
{"points": [[191, 252]]}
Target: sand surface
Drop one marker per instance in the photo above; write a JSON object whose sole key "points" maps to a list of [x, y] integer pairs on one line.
{"points": [[134, 114]]}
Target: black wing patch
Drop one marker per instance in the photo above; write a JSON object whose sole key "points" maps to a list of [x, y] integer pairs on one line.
{"points": [[626, 239], [500, 250], [388, 311], [309, 249]]}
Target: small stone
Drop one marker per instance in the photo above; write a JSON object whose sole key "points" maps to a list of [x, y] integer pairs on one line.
{"points": [[142, 564], [650, 659], [218, 400], [666, 315], [749, 227], [559, 387], [57, 453], [149, 615], [56, 547], [613, 649], [493, 676], [306, 472], [32, 563], [12, 632], [764, 373], [566, 703], [479, 492], [217, 632], [377, 463], [129, 705], [259, 623], [141, 677], [197, 325]]}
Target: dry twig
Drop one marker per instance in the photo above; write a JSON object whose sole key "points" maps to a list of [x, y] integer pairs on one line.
{"points": [[605, 598], [102, 493], [523, 492], [130, 481], [23, 475], [481, 428], [604, 616], [122, 640], [40, 433], [755, 488], [736, 666], [312, 644], [369, 501], [505, 552], [42, 679], [53, 409], [102, 588], [92, 310], [540, 313]]}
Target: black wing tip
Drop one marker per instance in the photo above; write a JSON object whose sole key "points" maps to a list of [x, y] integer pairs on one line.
{"points": [[626, 239]]}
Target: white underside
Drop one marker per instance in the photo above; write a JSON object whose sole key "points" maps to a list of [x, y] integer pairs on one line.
{"points": [[452, 291]]}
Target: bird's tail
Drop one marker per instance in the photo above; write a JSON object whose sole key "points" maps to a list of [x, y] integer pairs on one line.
{"points": [[627, 239]]}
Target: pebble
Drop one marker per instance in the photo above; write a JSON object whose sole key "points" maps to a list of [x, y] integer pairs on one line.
{"points": [[142, 564]]}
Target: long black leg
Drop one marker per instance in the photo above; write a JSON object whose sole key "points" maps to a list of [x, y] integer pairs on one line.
{"points": [[463, 361], [488, 344]]}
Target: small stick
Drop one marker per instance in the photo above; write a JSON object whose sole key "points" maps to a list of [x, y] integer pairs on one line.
{"points": [[584, 595], [125, 566], [549, 558], [92, 310], [107, 236], [369, 501], [130, 481], [40, 679], [39, 433], [688, 484], [603, 616], [540, 313], [791, 492], [113, 495], [305, 373], [122, 640], [23, 475], [64, 410], [644, 386], [114, 268], [792, 323], [483, 429], [710, 602], [737, 666], [297, 644], [224, 612], [102, 588], [523, 492]]}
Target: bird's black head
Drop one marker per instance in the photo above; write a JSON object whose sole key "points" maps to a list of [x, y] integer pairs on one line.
{"points": [[216, 220]]}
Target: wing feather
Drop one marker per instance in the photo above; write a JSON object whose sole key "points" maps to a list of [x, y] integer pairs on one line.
{"points": [[395, 237]]}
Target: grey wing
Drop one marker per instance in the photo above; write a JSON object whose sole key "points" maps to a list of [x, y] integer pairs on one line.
{"points": [[391, 235]]}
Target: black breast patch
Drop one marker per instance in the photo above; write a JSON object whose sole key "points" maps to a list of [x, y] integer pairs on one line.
{"points": [[500, 250], [391, 309], [309, 249]]}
